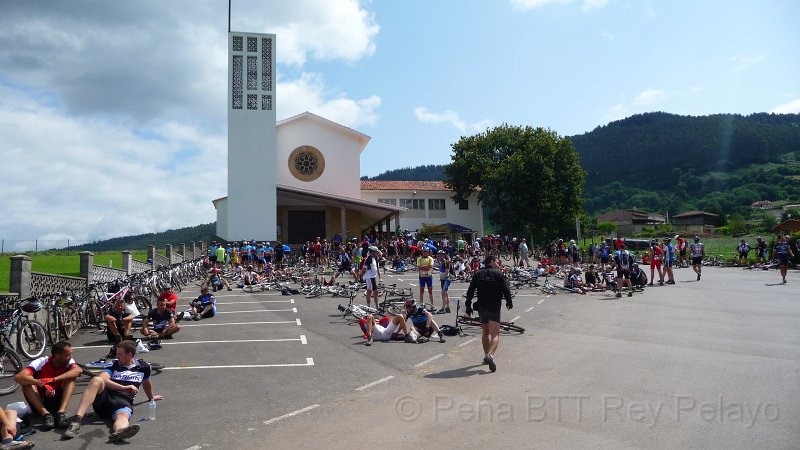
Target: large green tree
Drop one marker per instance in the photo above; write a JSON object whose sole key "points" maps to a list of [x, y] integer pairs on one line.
{"points": [[529, 179]]}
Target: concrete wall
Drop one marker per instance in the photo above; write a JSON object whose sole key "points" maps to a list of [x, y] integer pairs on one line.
{"points": [[251, 138], [340, 148]]}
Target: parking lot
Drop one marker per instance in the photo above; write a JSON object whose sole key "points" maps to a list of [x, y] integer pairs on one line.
{"points": [[289, 372]]}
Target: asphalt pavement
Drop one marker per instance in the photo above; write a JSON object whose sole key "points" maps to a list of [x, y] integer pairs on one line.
{"points": [[707, 364]]}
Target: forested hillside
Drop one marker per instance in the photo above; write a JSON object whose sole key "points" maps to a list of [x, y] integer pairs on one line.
{"points": [[139, 242], [660, 161], [666, 162]]}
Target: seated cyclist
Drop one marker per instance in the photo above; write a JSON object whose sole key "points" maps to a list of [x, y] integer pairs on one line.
{"points": [[385, 329], [573, 281], [204, 306], [422, 319], [163, 320], [594, 280], [119, 322], [638, 277]]}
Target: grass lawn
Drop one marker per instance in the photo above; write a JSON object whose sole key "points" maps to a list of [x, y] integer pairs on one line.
{"points": [[63, 263]]}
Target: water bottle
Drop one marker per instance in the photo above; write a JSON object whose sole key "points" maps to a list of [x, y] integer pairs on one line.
{"points": [[152, 410]]}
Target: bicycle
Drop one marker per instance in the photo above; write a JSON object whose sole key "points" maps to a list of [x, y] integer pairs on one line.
{"points": [[31, 335], [10, 366], [464, 319], [94, 368]]}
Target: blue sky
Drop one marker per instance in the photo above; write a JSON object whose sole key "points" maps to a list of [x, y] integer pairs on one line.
{"points": [[112, 114]]}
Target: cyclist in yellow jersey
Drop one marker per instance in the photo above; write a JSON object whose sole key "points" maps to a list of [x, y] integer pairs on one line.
{"points": [[425, 268]]}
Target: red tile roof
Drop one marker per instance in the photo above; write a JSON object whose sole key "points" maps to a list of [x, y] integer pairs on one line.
{"points": [[378, 185]]}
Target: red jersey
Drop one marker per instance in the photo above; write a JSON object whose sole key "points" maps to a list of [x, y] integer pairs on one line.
{"points": [[171, 298], [42, 368]]}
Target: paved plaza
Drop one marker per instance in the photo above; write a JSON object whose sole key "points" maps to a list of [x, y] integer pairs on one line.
{"points": [[709, 364]]}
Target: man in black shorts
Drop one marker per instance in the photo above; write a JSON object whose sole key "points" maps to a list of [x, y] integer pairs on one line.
{"points": [[492, 288], [111, 394]]}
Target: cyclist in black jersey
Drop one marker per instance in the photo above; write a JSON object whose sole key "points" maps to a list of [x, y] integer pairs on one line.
{"points": [[111, 394]]}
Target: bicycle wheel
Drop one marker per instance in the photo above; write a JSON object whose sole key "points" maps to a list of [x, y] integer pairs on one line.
{"points": [[467, 320], [70, 321], [156, 365], [509, 327], [94, 316], [10, 365], [31, 338]]}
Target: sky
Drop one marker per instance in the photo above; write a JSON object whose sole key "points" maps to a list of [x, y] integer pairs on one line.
{"points": [[113, 116]]}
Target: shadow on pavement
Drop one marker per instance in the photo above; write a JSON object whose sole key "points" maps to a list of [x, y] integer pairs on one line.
{"points": [[462, 372]]}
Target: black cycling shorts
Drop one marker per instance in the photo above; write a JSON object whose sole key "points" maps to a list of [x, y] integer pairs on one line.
{"points": [[488, 316], [107, 403]]}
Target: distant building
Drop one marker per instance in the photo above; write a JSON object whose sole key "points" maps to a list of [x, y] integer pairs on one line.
{"points": [[427, 202], [787, 227], [696, 222], [762, 204], [630, 221]]}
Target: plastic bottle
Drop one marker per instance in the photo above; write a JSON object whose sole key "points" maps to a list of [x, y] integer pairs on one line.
{"points": [[152, 410]]}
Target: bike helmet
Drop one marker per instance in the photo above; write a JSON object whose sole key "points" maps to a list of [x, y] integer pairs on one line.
{"points": [[31, 306], [758, 238], [441, 252], [409, 303], [166, 286], [697, 238], [667, 239]]}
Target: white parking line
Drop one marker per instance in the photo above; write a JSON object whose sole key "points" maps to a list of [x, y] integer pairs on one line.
{"points": [[516, 319], [296, 321], [291, 414], [242, 295], [302, 340], [463, 344], [309, 362], [259, 301], [294, 310], [540, 301], [369, 385], [429, 360], [530, 309]]}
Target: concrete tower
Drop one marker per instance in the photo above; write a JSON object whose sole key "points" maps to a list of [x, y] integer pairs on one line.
{"points": [[252, 146]]}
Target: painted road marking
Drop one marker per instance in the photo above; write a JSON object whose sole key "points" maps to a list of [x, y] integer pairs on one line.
{"points": [[302, 340], [515, 319], [294, 310], [369, 385], [258, 301], [309, 362], [429, 360], [291, 414], [540, 301], [468, 342], [530, 309], [296, 321]]}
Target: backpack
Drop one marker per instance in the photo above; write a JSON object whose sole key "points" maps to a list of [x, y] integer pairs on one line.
{"points": [[448, 330], [624, 259]]}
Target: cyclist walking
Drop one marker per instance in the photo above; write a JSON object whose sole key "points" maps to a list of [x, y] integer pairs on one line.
{"points": [[698, 252], [492, 288], [783, 251]]}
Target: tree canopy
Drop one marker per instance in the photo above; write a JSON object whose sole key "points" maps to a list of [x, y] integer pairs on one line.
{"points": [[529, 179]]}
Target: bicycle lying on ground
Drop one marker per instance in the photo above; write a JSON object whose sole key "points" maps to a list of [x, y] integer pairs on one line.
{"points": [[464, 319], [94, 368]]}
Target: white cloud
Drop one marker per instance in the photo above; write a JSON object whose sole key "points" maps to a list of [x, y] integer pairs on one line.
{"points": [[450, 117], [112, 115], [308, 93], [742, 62], [792, 107], [649, 97], [586, 5], [616, 112], [589, 5]]}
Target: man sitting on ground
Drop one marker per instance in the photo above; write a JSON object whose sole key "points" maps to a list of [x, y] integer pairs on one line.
{"points": [[163, 319], [204, 306], [111, 394], [422, 319], [593, 280], [118, 322], [573, 281], [385, 328], [48, 383]]}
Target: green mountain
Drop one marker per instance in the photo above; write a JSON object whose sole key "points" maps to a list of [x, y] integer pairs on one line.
{"points": [[205, 232], [667, 162]]}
